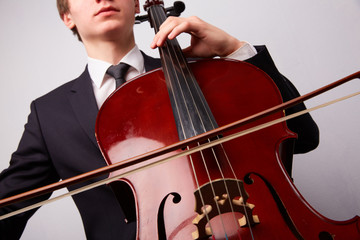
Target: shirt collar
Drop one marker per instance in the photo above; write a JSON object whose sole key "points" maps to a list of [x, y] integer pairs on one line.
{"points": [[97, 68]]}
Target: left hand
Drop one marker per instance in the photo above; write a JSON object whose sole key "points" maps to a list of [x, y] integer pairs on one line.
{"points": [[206, 39]]}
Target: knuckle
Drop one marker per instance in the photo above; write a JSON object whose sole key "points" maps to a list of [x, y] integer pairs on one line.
{"points": [[186, 24], [195, 19], [171, 18]]}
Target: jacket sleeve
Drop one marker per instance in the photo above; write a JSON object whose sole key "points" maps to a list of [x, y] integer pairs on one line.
{"points": [[304, 126], [30, 167]]}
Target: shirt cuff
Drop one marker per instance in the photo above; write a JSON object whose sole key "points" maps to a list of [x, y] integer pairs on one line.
{"points": [[243, 53]]}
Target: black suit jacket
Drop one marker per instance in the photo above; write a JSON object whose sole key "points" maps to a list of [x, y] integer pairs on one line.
{"points": [[59, 142]]}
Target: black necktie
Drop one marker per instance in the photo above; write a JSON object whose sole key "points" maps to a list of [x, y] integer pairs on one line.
{"points": [[118, 72]]}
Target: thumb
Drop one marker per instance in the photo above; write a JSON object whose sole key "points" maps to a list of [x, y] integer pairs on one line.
{"points": [[188, 52]]}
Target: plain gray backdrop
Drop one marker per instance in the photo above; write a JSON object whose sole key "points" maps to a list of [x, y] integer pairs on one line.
{"points": [[313, 42]]}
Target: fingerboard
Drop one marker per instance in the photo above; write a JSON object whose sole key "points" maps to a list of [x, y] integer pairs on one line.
{"points": [[191, 111]]}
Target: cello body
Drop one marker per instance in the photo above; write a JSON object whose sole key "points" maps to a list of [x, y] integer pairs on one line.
{"points": [[237, 190]]}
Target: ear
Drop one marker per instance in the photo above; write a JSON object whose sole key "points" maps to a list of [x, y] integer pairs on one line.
{"points": [[137, 6], [67, 19]]}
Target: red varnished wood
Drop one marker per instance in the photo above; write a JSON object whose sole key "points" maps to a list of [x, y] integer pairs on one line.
{"points": [[141, 120]]}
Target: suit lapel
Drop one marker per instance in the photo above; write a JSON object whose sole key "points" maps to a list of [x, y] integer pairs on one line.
{"points": [[83, 102], [150, 62]]}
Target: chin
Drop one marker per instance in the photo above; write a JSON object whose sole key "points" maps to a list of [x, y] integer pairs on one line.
{"points": [[116, 26]]}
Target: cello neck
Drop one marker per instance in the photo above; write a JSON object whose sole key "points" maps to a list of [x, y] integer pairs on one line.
{"points": [[191, 111]]}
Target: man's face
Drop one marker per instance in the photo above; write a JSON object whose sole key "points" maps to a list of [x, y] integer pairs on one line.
{"points": [[104, 19]]}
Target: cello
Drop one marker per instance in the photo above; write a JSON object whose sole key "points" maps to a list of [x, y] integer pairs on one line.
{"points": [[239, 189], [255, 208]]}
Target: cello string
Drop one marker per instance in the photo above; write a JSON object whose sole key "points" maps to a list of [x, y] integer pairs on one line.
{"points": [[177, 155], [213, 191], [227, 189], [175, 57], [166, 68], [181, 56], [201, 195], [178, 56], [201, 153], [187, 75], [228, 193]]}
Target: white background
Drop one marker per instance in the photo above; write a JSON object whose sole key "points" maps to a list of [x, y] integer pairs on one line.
{"points": [[312, 42]]}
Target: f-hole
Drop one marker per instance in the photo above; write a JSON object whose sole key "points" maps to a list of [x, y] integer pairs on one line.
{"points": [[325, 236], [160, 221]]}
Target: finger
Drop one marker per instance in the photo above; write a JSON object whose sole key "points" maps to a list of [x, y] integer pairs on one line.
{"points": [[172, 28], [164, 31], [192, 25], [184, 27]]}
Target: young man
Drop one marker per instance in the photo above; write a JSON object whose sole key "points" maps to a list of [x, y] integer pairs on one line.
{"points": [[59, 142]]}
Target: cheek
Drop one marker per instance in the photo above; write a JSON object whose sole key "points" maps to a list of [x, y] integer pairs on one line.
{"points": [[81, 18], [80, 10]]}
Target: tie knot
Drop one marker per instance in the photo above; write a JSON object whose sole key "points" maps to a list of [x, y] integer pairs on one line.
{"points": [[118, 72]]}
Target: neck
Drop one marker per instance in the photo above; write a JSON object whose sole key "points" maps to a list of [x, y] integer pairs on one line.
{"points": [[111, 51]]}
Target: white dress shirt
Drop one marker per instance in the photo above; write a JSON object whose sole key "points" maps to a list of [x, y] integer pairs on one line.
{"points": [[104, 84]]}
